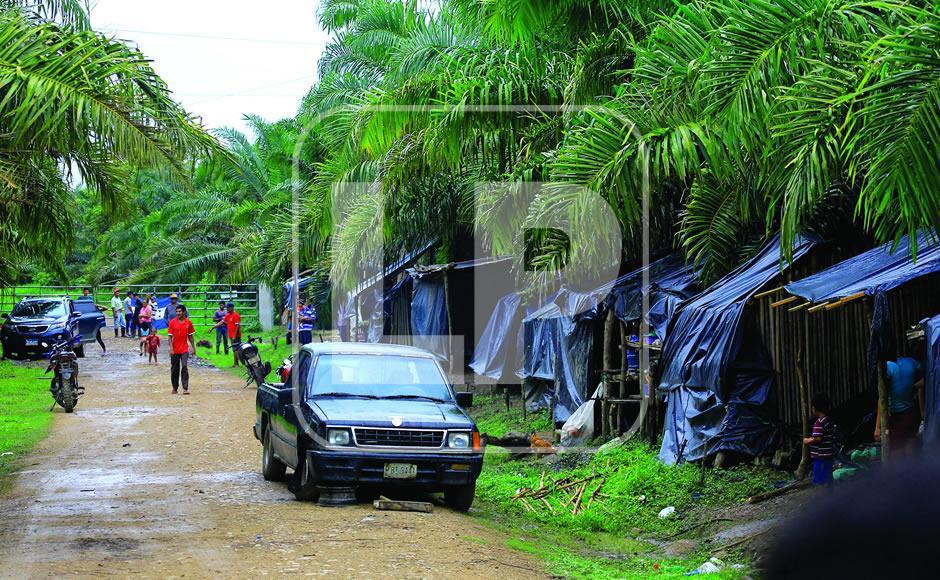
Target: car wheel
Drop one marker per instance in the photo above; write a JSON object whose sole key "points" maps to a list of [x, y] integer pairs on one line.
{"points": [[460, 497], [80, 351], [303, 485], [272, 468]]}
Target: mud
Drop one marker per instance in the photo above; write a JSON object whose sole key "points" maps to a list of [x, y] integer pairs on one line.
{"points": [[140, 481]]}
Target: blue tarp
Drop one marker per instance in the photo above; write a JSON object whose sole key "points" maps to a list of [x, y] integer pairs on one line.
{"points": [[932, 386], [559, 338], [429, 326], [497, 341], [877, 270], [289, 290], [717, 375]]}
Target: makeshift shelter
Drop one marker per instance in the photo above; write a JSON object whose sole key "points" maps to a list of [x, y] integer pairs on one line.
{"points": [[446, 297], [560, 336], [717, 374], [845, 336], [932, 381]]}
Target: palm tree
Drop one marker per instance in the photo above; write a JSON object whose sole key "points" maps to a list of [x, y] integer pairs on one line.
{"points": [[73, 100]]}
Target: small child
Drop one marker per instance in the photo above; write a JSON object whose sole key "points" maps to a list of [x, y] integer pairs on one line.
{"points": [[822, 445], [153, 344]]}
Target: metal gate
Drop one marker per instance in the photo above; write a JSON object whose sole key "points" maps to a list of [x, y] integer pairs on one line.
{"points": [[201, 300]]}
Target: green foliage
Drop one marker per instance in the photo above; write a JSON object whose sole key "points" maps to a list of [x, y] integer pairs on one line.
{"points": [[490, 414], [636, 484], [24, 411]]}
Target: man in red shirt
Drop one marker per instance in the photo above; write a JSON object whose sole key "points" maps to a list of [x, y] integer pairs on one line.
{"points": [[233, 323], [181, 331]]}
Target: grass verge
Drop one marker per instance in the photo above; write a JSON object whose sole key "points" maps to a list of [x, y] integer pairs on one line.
{"points": [[492, 417], [24, 411]]}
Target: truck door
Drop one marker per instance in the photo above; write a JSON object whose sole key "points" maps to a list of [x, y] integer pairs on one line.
{"points": [[287, 428]]}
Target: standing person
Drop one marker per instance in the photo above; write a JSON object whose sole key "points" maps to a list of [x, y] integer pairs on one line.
{"points": [[170, 311], [221, 333], [153, 345], [233, 323], [822, 444], [180, 330], [905, 383], [306, 317], [138, 305], [129, 313], [117, 312], [145, 318]]}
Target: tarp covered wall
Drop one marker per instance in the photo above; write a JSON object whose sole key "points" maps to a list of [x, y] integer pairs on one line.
{"points": [[932, 386], [717, 374], [671, 281], [877, 270], [498, 339], [429, 327]]}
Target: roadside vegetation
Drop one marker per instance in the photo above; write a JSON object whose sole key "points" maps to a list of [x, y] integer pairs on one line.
{"points": [[24, 411], [616, 530]]}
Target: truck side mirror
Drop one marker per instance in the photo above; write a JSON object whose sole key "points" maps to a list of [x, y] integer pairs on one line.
{"points": [[464, 400]]}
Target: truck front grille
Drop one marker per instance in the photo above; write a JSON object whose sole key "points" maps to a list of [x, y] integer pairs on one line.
{"points": [[398, 438]]}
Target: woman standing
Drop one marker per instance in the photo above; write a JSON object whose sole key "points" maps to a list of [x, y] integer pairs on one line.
{"points": [[145, 318]]}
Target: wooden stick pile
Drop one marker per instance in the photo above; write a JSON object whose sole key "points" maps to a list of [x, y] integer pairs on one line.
{"points": [[561, 494]]}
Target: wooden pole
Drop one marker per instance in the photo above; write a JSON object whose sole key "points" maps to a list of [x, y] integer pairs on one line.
{"points": [[885, 411], [608, 365], [804, 412], [622, 390]]}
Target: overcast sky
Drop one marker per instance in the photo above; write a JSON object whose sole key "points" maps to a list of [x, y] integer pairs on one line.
{"points": [[224, 58]]}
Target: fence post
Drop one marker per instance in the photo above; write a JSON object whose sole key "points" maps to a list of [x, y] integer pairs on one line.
{"points": [[265, 304]]}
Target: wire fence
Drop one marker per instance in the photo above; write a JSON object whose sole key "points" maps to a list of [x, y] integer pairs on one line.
{"points": [[201, 300]]}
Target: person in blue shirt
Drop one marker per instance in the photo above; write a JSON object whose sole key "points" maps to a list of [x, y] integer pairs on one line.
{"points": [[905, 383], [306, 317], [221, 332]]}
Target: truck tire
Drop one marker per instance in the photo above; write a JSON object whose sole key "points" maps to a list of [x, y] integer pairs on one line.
{"points": [[460, 497], [272, 468], [303, 485]]}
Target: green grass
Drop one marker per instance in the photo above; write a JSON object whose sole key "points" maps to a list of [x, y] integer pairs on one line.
{"points": [[490, 414], [24, 411], [267, 351], [614, 536]]}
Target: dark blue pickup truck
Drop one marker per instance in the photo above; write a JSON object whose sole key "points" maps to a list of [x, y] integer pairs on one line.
{"points": [[376, 415]]}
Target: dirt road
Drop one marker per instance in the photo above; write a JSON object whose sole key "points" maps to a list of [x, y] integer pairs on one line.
{"points": [[139, 481]]}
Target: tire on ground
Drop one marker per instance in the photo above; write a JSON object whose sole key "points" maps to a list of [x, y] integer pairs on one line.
{"points": [[460, 497], [272, 468]]}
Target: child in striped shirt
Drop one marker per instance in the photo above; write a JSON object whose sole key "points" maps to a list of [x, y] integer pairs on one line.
{"points": [[822, 445]]}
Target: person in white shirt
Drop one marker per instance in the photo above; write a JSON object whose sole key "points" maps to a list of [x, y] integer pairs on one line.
{"points": [[117, 311]]}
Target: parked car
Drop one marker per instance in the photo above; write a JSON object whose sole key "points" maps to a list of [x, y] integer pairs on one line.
{"points": [[375, 415], [35, 324]]}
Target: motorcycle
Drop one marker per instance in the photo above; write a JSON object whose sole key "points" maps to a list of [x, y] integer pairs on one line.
{"points": [[257, 369], [283, 371], [64, 385]]}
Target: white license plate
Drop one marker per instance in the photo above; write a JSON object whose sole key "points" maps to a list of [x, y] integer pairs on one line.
{"points": [[401, 470], [32, 342]]}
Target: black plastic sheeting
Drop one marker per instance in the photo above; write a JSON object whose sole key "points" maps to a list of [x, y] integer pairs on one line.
{"points": [[877, 270], [429, 327], [497, 344], [559, 336], [932, 386], [717, 375]]}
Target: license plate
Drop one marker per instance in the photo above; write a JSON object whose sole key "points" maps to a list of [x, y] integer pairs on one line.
{"points": [[32, 342], [401, 470]]}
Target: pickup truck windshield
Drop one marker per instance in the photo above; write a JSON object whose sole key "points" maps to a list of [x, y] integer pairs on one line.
{"points": [[39, 308], [381, 376]]}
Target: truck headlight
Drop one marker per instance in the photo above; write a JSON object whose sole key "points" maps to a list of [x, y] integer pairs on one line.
{"points": [[459, 439], [337, 436]]}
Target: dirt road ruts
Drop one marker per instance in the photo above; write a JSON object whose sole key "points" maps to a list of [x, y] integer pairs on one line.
{"points": [[139, 481]]}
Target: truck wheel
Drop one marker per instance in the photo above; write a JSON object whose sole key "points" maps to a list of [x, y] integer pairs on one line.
{"points": [[272, 468], [460, 497], [303, 485]]}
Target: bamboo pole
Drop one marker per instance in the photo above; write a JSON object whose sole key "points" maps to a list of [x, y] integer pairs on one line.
{"points": [[845, 300], [622, 387], [799, 307], [768, 292], [818, 307], [780, 303], [804, 412], [608, 365], [885, 411]]}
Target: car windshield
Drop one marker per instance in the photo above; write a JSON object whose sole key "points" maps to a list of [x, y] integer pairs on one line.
{"points": [[379, 376], [39, 309]]}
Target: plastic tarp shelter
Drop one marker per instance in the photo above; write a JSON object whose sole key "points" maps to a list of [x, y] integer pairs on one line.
{"points": [[877, 270], [497, 341], [302, 283], [559, 342], [432, 295], [932, 377], [717, 375]]}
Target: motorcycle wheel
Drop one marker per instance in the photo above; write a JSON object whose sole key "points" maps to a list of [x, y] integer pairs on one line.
{"points": [[65, 395]]}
